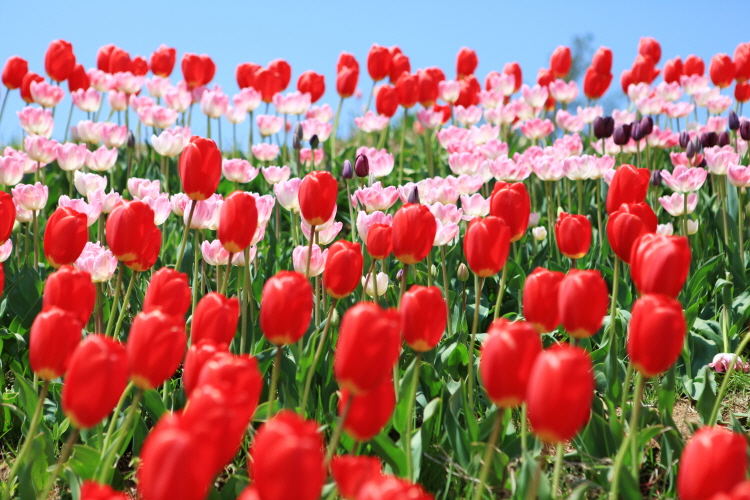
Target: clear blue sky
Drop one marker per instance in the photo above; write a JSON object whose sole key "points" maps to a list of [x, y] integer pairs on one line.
{"points": [[311, 34]]}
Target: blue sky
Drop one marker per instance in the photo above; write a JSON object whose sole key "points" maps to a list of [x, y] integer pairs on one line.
{"points": [[311, 34]]}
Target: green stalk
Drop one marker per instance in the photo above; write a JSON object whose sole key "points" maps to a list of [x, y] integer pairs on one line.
{"points": [[613, 308], [740, 216], [478, 283], [632, 433], [445, 288], [274, 382], [334, 442], [181, 253], [409, 417], [500, 291], [115, 301], [64, 454], [488, 451], [309, 252], [558, 469], [133, 278], [316, 358], [109, 454]]}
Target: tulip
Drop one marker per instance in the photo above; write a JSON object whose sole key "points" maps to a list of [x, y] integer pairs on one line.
{"points": [[94, 491], [65, 236], [343, 269], [215, 318], [238, 221], [71, 291], [660, 264], [317, 261], [378, 62], [168, 292], [71, 157], [317, 197], [352, 472], [656, 320], [582, 302], [155, 348], [507, 358], [54, 336], [386, 100], [200, 168], [102, 159], [560, 61], [559, 393], [13, 72], [713, 461], [573, 235], [368, 347], [540, 299], [626, 225], [312, 83], [96, 378], [486, 245], [98, 262], [392, 488], [286, 307], [128, 226], [162, 61], [346, 81], [196, 358], [629, 185], [148, 251], [28, 79], [424, 316], [368, 413], [414, 232], [59, 60], [466, 62], [510, 202], [7, 216], [721, 70]]}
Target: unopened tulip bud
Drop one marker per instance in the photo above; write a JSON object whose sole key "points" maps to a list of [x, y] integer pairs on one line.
{"points": [[347, 172], [296, 144], [400, 275], [540, 233], [733, 121], [622, 134], [692, 226], [131, 139], [298, 132], [656, 178], [745, 131], [604, 126], [690, 151], [463, 272], [647, 125], [314, 141], [362, 166], [684, 139], [709, 139], [414, 196], [723, 139], [636, 131]]}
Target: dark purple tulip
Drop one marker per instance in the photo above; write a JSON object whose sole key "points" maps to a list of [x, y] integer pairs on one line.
{"points": [[347, 172], [621, 134], [724, 139], [709, 139], [733, 121], [690, 151], [684, 139], [636, 131], [745, 131], [362, 166], [656, 178], [414, 196], [647, 125], [604, 127]]}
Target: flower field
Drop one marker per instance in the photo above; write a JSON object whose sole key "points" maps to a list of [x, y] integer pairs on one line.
{"points": [[480, 288]]}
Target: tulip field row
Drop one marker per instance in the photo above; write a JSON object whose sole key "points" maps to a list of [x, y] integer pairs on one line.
{"points": [[485, 288]]}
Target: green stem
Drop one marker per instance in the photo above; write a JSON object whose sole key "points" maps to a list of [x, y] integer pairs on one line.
{"points": [[429, 268], [196, 274], [558, 469], [124, 431], [225, 283], [401, 151], [115, 299], [2, 108], [244, 294], [367, 280], [720, 396], [489, 449], [597, 187], [403, 283], [133, 278], [741, 227], [316, 358], [64, 454], [632, 433], [115, 414], [524, 428], [613, 308], [409, 417], [445, 289], [309, 251], [723, 184], [478, 284], [274, 382], [351, 211], [36, 239], [181, 253], [500, 291], [334, 442], [579, 187], [428, 151], [626, 389]]}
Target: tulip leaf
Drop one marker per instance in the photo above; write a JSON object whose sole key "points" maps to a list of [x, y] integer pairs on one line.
{"points": [[84, 461], [391, 454]]}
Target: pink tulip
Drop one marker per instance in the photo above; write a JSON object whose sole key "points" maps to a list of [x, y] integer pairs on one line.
{"points": [[483, 133], [97, 261], [428, 118], [180, 204], [678, 109], [501, 115], [287, 194], [46, 95], [314, 127], [683, 179], [467, 116], [442, 192], [88, 100], [162, 117], [239, 258], [468, 184], [675, 203], [446, 214], [376, 197], [449, 90], [86, 183], [157, 86], [108, 200], [637, 91], [267, 152], [273, 174], [664, 139], [71, 156], [268, 124], [197, 93], [381, 161], [161, 206], [170, 142], [503, 83], [535, 96], [264, 205], [140, 188], [739, 176], [665, 229], [716, 124], [214, 253], [568, 122], [723, 361], [40, 149], [11, 170], [214, 103], [382, 284], [579, 167], [563, 91], [494, 149], [127, 82], [622, 116], [371, 122], [23, 215], [650, 105], [293, 103], [31, 196], [322, 113], [505, 169], [5, 250], [235, 115], [248, 99], [29, 165], [490, 99], [704, 95], [590, 113], [305, 155], [670, 92], [465, 163], [365, 221], [36, 121], [452, 134], [718, 105], [178, 99], [547, 168], [718, 159], [694, 83], [87, 131], [100, 80], [238, 170], [92, 211], [681, 160], [445, 233], [475, 206], [325, 236], [102, 159], [206, 213], [260, 233], [113, 135], [317, 260], [537, 128], [118, 101]]}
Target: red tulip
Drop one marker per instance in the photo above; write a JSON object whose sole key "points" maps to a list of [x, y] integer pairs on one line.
{"points": [[626, 225], [26, 86], [283, 70], [486, 245], [694, 65], [65, 236], [346, 81], [560, 61], [352, 472], [94, 491], [128, 226], [602, 60], [176, 462], [96, 378], [573, 235], [559, 393], [215, 318], [317, 197], [238, 377], [436, 74], [660, 264], [629, 185], [103, 56], [72, 291], [370, 412], [192, 70], [13, 72], [386, 100], [148, 252], [246, 74], [423, 317], [200, 168], [513, 68], [656, 334], [507, 357], [595, 84], [162, 61], [196, 358], [78, 79], [59, 60], [119, 61], [446, 110], [673, 70], [545, 77], [713, 461], [312, 83], [469, 93], [209, 69], [7, 215], [286, 307], [139, 66], [368, 347], [267, 83], [414, 231], [540, 299], [466, 62], [343, 269], [378, 62], [287, 459], [742, 92], [238, 221], [392, 488], [249, 493], [428, 88], [649, 47], [400, 64], [168, 292], [510, 202], [156, 346], [626, 79], [721, 70], [407, 87], [54, 336], [582, 302], [379, 241], [644, 70]]}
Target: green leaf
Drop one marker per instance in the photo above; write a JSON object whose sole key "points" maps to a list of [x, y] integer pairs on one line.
{"points": [[84, 461], [391, 454]]}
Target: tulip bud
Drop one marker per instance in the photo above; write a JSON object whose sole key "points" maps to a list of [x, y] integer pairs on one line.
{"points": [[698, 145], [362, 166], [215, 318], [660, 264], [423, 317], [238, 220], [379, 241], [343, 269], [65, 236], [463, 272], [733, 121], [156, 346], [636, 131], [540, 299], [314, 141], [539, 233], [168, 292], [690, 151], [626, 225], [296, 143], [131, 139], [723, 139], [286, 307], [709, 139], [656, 178], [414, 196], [699, 478], [347, 172], [622, 134], [647, 125], [629, 185], [54, 336], [298, 132], [400, 275], [604, 127], [72, 291], [684, 139], [745, 131], [369, 412]]}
